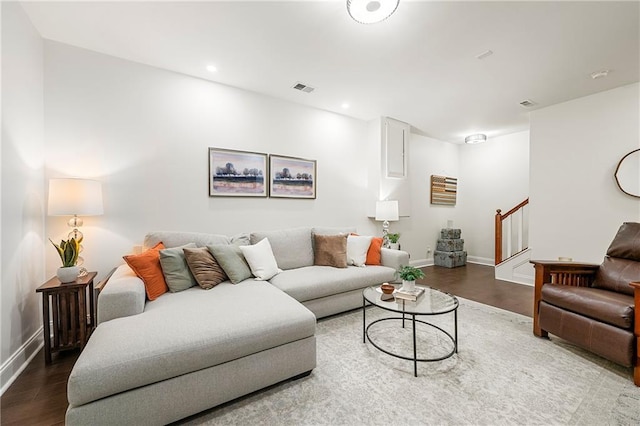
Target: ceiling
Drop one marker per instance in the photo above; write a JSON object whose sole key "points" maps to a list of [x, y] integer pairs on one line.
{"points": [[419, 66]]}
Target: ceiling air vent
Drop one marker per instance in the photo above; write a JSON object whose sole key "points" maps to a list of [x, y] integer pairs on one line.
{"points": [[303, 87], [527, 103]]}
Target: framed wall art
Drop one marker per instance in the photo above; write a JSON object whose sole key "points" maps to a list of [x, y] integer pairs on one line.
{"points": [[237, 173], [444, 190], [292, 177]]}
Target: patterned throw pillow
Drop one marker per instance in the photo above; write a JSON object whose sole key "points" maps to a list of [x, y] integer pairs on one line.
{"points": [[204, 267]]}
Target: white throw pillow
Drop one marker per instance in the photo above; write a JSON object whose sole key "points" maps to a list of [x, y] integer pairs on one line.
{"points": [[357, 247], [261, 260]]}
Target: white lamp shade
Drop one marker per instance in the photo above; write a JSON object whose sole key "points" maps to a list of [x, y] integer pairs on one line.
{"points": [[81, 197], [387, 210]]}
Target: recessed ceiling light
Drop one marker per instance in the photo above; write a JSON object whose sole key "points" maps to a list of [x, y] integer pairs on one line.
{"points": [[477, 138], [599, 74], [212, 68], [345, 105]]}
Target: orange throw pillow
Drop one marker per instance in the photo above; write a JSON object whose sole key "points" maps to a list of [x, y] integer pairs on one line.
{"points": [[147, 267], [374, 257]]}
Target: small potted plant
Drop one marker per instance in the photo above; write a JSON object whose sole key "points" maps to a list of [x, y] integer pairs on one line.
{"points": [[68, 252], [409, 275], [393, 241]]}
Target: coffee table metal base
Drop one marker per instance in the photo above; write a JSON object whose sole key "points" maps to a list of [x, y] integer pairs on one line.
{"points": [[415, 359]]}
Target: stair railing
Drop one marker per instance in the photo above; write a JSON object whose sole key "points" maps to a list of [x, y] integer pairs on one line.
{"points": [[515, 223]]}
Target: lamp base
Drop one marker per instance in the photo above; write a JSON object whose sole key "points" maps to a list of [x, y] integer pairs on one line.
{"points": [[385, 234]]}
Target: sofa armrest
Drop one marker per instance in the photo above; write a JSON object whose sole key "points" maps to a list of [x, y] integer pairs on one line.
{"points": [[394, 258], [121, 296], [636, 331], [565, 273]]}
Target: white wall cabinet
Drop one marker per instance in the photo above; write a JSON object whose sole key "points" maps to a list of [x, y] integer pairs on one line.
{"points": [[395, 143]]}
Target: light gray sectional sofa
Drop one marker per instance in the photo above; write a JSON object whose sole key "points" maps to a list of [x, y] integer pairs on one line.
{"points": [[155, 362]]}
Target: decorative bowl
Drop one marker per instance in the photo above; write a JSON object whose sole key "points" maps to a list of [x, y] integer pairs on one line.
{"points": [[387, 288]]}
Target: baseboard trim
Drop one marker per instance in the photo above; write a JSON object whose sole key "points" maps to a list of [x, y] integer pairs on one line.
{"points": [[16, 364], [515, 281], [480, 260], [421, 263]]}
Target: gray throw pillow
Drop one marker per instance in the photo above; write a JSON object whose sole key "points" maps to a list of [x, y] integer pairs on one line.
{"points": [[232, 261], [175, 269]]}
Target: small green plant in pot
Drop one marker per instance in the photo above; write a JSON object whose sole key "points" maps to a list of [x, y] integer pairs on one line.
{"points": [[409, 275], [68, 252], [393, 241]]}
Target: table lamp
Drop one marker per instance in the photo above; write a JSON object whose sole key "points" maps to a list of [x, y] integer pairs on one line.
{"points": [[75, 197], [386, 211]]}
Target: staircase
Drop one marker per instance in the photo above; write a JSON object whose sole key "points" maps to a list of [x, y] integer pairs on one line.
{"points": [[512, 252]]}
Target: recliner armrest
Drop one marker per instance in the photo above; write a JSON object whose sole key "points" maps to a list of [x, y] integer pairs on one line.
{"points": [[565, 273]]}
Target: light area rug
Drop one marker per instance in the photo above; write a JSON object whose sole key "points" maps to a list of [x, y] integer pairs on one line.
{"points": [[501, 375]]}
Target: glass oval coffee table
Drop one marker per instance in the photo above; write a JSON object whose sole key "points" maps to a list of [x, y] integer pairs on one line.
{"points": [[431, 302]]}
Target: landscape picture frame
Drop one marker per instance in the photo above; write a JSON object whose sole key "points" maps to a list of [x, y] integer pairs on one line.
{"points": [[292, 177], [234, 173]]}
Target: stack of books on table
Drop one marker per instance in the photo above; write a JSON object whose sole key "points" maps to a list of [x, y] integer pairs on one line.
{"points": [[411, 295]]}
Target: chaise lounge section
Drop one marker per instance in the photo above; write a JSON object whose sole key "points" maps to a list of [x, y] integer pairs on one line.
{"points": [[155, 362]]}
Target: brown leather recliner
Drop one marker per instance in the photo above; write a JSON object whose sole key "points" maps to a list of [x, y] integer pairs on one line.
{"points": [[596, 307]]}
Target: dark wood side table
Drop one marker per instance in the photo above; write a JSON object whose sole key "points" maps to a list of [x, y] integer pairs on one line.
{"points": [[71, 329]]}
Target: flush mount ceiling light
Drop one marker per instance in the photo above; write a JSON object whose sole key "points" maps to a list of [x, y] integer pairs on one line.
{"points": [[477, 138], [371, 11]]}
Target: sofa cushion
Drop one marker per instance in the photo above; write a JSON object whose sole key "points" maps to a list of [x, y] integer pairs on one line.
{"points": [[313, 282], [626, 243], [260, 259], [357, 248], [175, 239], [615, 274], [184, 332], [602, 305], [612, 343], [204, 267], [232, 261], [292, 248], [146, 266], [175, 269], [330, 250]]}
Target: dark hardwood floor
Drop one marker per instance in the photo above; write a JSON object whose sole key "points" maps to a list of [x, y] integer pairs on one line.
{"points": [[39, 395], [477, 283]]}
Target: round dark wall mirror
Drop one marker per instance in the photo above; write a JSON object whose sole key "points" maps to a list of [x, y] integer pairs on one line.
{"points": [[627, 174]]}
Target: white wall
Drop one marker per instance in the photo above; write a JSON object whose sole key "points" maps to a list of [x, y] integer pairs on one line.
{"points": [[23, 235], [493, 175], [144, 133], [421, 230], [576, 207]]}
